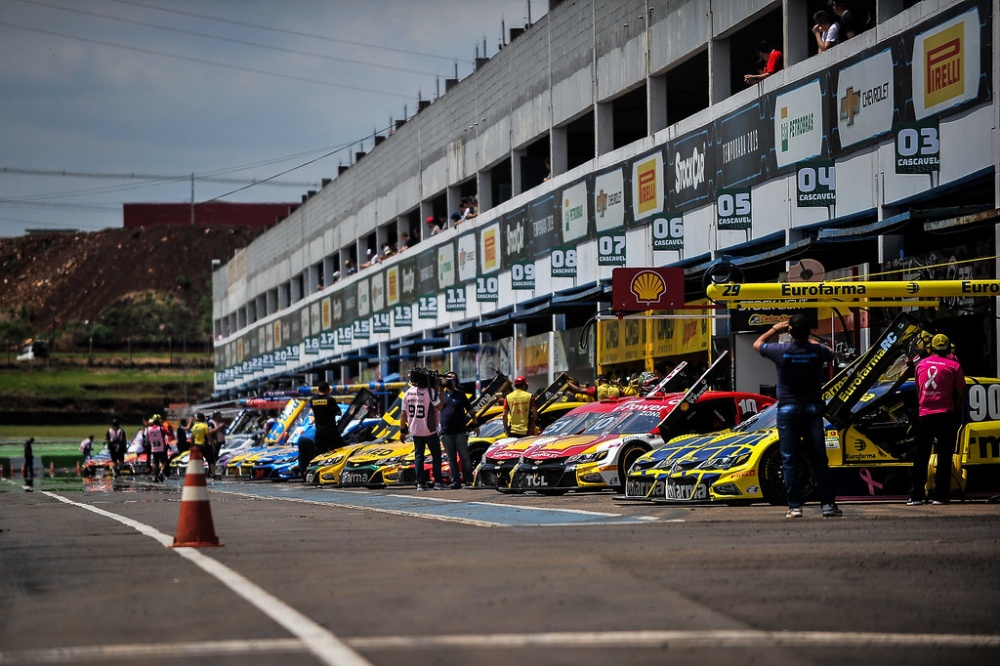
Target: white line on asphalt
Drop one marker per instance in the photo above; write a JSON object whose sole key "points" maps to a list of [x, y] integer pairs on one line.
{"points": [[133, 653], [716, 640], [323, 644], [698, 639]]}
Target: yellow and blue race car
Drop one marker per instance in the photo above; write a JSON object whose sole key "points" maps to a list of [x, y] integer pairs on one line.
{"points": [[869, 442]]}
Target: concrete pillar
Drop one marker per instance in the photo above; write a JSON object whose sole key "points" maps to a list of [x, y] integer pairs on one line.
{"points": [[884, 9], [454, 196], [604, 127], [718, 71], [515, 171], [656, 104], [558, 150], [484, 185], [796, 22]]}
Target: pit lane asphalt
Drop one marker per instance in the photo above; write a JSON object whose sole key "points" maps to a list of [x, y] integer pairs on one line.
{"points": [[311, 576]]}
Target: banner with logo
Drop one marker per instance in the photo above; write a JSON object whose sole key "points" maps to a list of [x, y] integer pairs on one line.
{"points": [[798, 124], [742, 141], [648, 188], [691, 169]]}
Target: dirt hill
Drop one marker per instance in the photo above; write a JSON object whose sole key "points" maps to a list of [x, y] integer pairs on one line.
{"points": [[57, 278]]}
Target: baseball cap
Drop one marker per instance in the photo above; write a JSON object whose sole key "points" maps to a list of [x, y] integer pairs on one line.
{"points": [[520, 380], [940, 342], [430, 218]]}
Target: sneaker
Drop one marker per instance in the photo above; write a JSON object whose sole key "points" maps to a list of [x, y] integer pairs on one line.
{"points": [[794, 512], [456, 486], [940, 502], [914, 502], [422, 486], [832, 511], [440, 486]]}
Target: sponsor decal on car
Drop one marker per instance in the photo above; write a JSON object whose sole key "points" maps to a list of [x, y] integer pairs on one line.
{"points": [[686, 491]]}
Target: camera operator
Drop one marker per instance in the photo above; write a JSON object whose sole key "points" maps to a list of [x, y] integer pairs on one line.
{"points": [[457, 417], [419, 416]]}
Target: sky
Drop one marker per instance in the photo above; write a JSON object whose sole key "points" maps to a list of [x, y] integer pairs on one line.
{"points": [[105, 102]]}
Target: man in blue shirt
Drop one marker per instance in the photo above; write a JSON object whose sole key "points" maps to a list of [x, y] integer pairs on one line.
{"points": [[456, 412], [800, 365]]}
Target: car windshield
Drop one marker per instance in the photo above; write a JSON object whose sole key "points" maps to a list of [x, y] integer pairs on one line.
{"points": [[491, 428], [627, 423], [573, 423], [766, 418]]}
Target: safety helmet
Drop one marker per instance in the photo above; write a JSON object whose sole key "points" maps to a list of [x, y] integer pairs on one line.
{"points": [[940, 343], [648, 381], [156, 418], [114, 422], [520, 380]]}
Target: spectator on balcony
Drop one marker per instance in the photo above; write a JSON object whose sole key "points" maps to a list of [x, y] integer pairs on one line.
{"points": [[845, 19], [826, 31], [772, 59], [433, 228]]}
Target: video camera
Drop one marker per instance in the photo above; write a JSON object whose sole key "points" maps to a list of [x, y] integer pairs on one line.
{"points": [[424, 378]]}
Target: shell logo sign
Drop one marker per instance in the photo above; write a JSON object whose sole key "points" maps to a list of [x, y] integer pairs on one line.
{"points": [[647, 288]]}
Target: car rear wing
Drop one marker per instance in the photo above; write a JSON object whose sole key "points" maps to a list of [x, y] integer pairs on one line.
{"points": [[554, 392], [670, 424], [388, 427], [498, 387], [844, 391], [362, 405], [672, 381]]}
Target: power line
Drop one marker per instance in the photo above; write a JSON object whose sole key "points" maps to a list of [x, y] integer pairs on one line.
{"points": [[232, 40], [294, 32], [146, 176], [206, 62]]}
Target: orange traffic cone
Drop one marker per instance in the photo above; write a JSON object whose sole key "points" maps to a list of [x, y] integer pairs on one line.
{"points": [[195, 528]]}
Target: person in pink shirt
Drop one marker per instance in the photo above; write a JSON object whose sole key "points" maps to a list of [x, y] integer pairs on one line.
{"points": [[419, 417], [941, 398]]}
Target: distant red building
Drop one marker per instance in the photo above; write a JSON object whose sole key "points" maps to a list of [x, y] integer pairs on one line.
{"points": [[212, 214]]}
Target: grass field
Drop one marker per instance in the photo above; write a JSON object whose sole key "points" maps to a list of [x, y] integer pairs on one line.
{"points": [[81, 382]]}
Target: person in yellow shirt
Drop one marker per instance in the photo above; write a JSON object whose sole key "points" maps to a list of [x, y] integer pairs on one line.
{"points": [[519, 411], [199, 432]]}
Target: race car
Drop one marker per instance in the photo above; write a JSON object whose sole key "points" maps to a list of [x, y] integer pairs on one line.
{"points": [[871, 458], [871, 408], [405, 473], [501, 457], [600, 456], [327, 468]]}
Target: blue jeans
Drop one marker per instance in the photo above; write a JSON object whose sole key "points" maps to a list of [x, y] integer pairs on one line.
{"points": [[800, 435], [457, 448], [434, 444]]}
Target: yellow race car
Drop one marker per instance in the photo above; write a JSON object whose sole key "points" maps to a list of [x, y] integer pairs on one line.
{"points": [[869, 442]]}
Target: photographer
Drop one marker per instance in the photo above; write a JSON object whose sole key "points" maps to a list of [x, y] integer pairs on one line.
{"points": [[419, 416], [457, 416]]}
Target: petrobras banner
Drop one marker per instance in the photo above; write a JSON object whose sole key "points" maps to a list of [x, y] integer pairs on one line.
{"points": [[574, 212], [798, 124], [445, 266], [363, 298]]}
